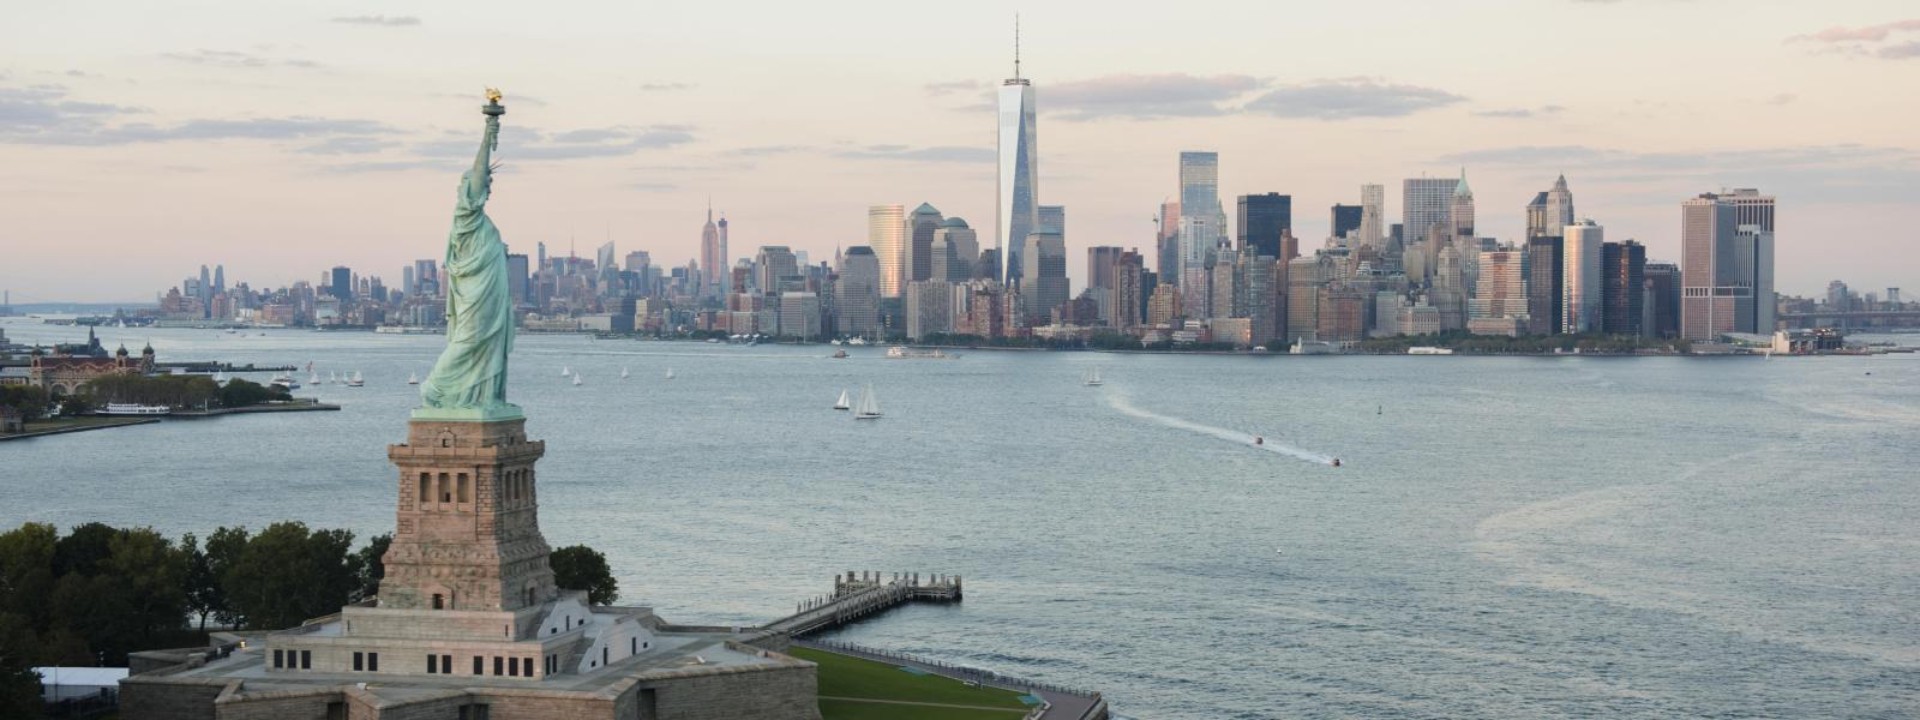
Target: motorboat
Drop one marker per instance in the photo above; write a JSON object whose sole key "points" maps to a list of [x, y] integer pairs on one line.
{"points": [[839, 354]]}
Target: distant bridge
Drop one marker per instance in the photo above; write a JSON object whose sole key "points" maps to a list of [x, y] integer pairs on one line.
{"points": [[1853, 319]]}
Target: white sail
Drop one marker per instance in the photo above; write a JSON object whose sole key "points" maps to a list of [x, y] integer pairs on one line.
{"points": [[413, 378], [576, 378], [869, 405], [623, 372], [669, 373], [565, 371], [844, 403]]}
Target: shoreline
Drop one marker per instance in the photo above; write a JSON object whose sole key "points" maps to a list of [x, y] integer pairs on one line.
{"points": [[129, 421], [82, 428]]}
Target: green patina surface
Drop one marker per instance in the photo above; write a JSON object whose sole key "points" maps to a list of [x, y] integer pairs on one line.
{"points": [[471, 374]]}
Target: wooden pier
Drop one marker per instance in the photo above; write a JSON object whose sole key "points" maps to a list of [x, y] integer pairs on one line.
{"points": [[858, 595]]}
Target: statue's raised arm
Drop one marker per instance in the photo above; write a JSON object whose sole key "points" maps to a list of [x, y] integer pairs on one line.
{"points": [[470, 379]]}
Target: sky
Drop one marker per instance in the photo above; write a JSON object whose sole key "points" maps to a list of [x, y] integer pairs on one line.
{"points": [[139, 140]]}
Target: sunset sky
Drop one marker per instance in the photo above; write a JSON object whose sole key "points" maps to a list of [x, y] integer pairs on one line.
{"points": [[139, 140]]}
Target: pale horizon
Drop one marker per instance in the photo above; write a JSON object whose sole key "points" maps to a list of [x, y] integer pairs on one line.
{"points": [[138, 143]]}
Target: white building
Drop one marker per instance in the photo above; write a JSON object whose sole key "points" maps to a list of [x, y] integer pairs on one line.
{"points": [[1580, 289]]}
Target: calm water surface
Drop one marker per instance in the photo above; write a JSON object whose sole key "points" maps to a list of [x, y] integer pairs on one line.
{"points": [[1509, 537]]}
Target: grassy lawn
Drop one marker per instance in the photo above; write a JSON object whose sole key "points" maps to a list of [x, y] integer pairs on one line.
{"points": [[856, 710], [75, 422], [850, 677]]}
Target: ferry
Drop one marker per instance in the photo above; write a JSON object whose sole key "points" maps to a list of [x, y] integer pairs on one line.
{"points": [[902, 352], [133, 409], [1311, 347], [1429, 350]]}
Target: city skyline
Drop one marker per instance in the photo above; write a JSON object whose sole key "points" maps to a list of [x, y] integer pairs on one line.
{"points": [[208, 128]]}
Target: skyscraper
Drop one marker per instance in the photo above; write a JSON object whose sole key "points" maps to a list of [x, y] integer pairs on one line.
{"points": [[1348, 219], [341, 286], [856, 295], [1100, 266], [1166, 244], [887, 235], [713, 263], [1261, 220], [1201, 216], [726, 262], [1019, 172], [956, 247], [1426, 202], [1373, 209], [1545, 276], [517, 277], [1623, 292], [1558, 212], [219, 279], [1581, 293], [1460, 211], [1045, 287], [1537, 217], [1663, 300], [921, 226], [777, 266], [1125, 298], [1726, 264], [1051, 218]]}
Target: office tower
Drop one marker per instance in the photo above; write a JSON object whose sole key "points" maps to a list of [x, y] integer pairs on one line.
{"points": [[799, 315], [1166, 243], [1558, 212], [426, 277], [955, 249], [1580, 291], [989, 267], [1221, 284], [607, 268], [1257, 296], [1663, 300], [921, 226], [1163, 306], [714, 267], [1261, 220], [1125, 298], [1018, 191], [1426, 203], [1537, 217], [1101, 260], [341, 286], [857, 293], [1045, 288], [1500, 294], [1449, 292], [1373, 209], [517, 277], [1460, 212], [929, 308], [1201, 217], [1727, 264], [1546, 273], [887, 235], [1348, 219], [206, 284], [777, 270], [1623, 293], [638, 261], [1051, 218], [1306, 276], [406, 281], [219, 279], [542, 247], [726, 279]]}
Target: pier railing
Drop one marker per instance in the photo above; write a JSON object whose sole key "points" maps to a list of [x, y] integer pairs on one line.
{"points": [[858, 595]]}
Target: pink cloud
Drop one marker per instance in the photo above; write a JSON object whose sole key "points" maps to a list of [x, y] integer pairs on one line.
{"points": [[1866, 34]]}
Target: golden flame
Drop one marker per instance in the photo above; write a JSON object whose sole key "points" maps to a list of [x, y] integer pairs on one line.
{"points": [[493, 95]]}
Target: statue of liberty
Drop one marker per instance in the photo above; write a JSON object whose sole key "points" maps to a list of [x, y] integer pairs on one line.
{"points": [[470, 379]]}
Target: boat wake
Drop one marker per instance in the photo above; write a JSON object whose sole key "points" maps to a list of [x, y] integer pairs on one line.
{"points": [[1119, 402]]}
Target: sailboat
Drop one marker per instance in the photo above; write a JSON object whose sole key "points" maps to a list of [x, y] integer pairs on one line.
{"points": [[623, 372], [869, 405], [313, 378], [842, 403], [333, 378], [1093, 377], [576, 378], [669, 373], [565, 371], [220, 377], [356, 380], [413, 378]]}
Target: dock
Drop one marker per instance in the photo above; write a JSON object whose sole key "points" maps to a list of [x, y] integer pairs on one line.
{"points": [[858, 595]]}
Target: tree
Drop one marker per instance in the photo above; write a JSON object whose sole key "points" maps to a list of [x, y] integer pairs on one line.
{"points": [[288, 574], [19, 684], [240, 392], [84, 550], [372, 566], [31, 401], [26, 573], [224, 547], [126, 600], [579, 567]]}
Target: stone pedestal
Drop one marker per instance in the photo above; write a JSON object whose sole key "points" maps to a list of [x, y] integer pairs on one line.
{"points": [[467, 535]]}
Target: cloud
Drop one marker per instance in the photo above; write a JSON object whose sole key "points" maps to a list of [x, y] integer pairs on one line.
{"points": [[43, 115], [655, 187], [379, 20], [1846, 173], [767, 150], [348, 146], [1866, 41], [521, 144], [1349, 99], [957, 86], [1147, 97], [666, 87], [937, 154], [1521, 112], [1783, 99], [235, 59]]}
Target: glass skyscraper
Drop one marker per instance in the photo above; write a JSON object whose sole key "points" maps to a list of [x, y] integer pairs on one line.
{"points": [[1202, 220], [1019, 182]]}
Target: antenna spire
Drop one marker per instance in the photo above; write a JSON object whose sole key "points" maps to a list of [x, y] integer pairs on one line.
{"points": [[1016, 46]]}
